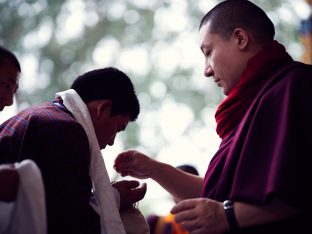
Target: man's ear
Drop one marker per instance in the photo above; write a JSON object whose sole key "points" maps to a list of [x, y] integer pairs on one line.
{"points": [[103, 108], [241, 37]]}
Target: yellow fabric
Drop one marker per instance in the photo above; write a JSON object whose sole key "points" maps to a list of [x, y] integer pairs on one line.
{"points": [[163, 223]]}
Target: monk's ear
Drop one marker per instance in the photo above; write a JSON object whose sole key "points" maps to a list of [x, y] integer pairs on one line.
{"points": [[241, 37]]}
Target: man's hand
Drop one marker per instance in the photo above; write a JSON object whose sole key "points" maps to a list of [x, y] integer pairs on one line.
{"points": [[130, 192]]}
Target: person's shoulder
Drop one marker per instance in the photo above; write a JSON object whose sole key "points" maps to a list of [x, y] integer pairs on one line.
{"points": [[47, 111], [293, 80], [302, 69], [299, 73], [45, 116]]}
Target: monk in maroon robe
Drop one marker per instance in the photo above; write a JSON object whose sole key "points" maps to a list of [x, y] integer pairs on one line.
{"points": [[258, 181]]}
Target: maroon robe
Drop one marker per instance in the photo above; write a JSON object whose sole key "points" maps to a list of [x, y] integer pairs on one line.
{"points": [[269, 155]]}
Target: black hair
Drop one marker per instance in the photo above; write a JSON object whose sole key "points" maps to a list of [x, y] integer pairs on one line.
{"points": [[7, 55], [111, 84], [231, 14], [188, 168]]}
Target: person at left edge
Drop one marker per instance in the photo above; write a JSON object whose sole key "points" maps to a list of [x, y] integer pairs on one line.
{"points": [[64, 138], [9, 75]]}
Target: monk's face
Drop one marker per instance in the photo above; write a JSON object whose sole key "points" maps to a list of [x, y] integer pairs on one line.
{"points": [[224, 58]]}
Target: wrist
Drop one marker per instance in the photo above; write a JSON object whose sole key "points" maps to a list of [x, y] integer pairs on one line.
{"points": [[156, 170], [228, 207]]}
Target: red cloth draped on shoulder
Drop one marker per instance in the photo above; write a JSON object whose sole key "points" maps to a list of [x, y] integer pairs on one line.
{"points": [[232, 109]]}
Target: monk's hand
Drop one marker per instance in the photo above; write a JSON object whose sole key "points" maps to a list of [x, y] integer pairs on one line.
{"points": [[134, 163], [200, 216]]}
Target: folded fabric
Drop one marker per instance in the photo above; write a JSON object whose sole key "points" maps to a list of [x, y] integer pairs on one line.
{"points": [[28, 213]]}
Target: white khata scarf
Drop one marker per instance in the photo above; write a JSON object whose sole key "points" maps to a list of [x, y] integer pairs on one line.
{"points": [[103, 191], [27, 214]]}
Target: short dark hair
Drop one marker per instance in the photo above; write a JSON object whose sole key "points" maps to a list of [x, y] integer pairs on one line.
{"points": [[111, 84], [231, 14], [188, 168], [7, 55]]}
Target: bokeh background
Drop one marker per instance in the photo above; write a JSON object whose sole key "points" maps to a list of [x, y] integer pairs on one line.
{"points": [[156, 43]]}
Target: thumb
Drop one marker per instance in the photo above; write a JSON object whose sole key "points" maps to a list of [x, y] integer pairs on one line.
{"points": [[141, 191]]}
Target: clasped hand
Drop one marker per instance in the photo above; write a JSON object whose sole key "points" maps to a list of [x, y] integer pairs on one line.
{"points": [[130, 192]]}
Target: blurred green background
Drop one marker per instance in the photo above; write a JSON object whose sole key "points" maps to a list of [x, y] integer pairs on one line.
{"points": [[156, 43]]}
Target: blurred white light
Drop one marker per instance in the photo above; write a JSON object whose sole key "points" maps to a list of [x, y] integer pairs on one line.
{"points": [[170, 21], [105, 51], [145, 100], [144, 4], [158, 90], [285, 14], [149, 136], [71, 21], [174, 119], [116, 10], [109, 155], [131, 17], [24, 9], [43, 80], [165, 57], [8, 112], [40, 37], [91, 18], [301, 7], [189, 48], [29, 76], [205, 5], [135, 59]]}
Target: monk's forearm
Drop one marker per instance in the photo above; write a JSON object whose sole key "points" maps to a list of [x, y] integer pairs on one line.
{"points": [[177, 182]]}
